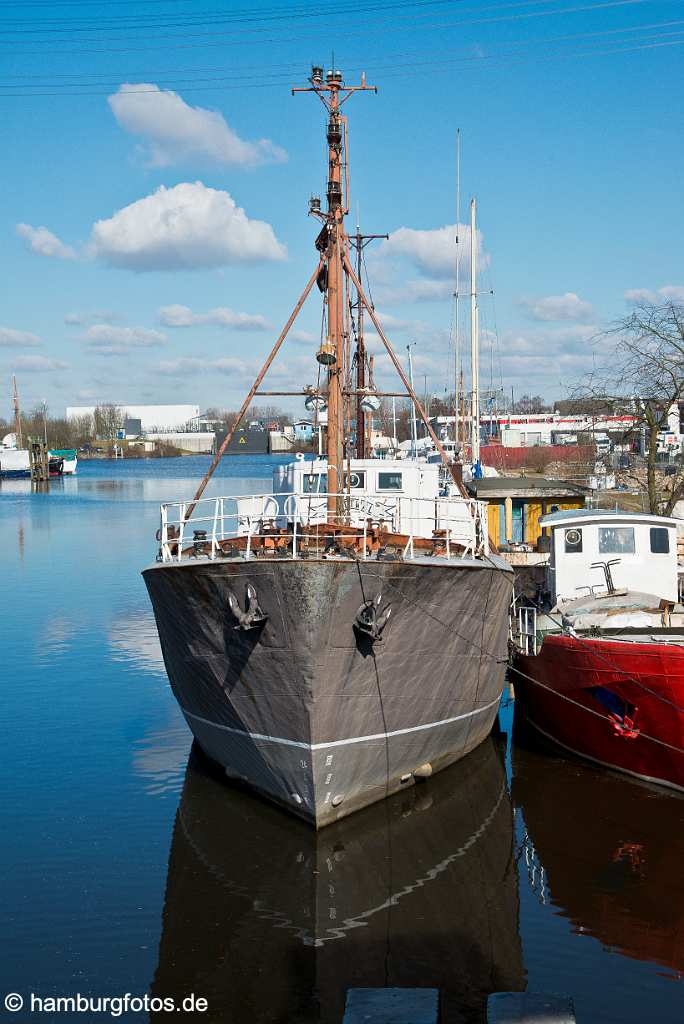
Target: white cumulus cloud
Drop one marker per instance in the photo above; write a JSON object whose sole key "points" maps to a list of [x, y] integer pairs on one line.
{"points": [[669, 292], [174, 131], [183, 316], [422, 289], [191, 364], [432, 252], [40, 364], [11, 338], [674, 292], [97, 316], [558, 307], [297, 334], [108, 340], [184, 227], [44, 243]]}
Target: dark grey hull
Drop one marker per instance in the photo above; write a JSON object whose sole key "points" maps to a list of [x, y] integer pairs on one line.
{"points": [[304, 710]]}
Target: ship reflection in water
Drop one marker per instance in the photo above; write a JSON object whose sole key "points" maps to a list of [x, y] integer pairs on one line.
{"points": [[271, 921], [609, 853]]}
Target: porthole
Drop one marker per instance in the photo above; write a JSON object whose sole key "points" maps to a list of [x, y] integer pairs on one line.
{"points": [[573, 540]]}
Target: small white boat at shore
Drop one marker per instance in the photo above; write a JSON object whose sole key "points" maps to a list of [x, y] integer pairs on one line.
{"points": [[68, 458]]}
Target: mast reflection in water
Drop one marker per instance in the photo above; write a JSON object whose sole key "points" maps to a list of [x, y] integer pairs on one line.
{"points": [[271, 921]]}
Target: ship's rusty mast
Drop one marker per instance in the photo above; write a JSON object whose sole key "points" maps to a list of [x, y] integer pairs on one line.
{"points": [[334, 275], [334, 245]]}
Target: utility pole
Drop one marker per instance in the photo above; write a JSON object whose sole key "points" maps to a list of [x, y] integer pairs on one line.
{"points": [[17, 413], [414, 425]]}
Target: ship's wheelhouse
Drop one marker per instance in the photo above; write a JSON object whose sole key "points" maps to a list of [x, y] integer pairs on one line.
{"points": [[405, 494]]}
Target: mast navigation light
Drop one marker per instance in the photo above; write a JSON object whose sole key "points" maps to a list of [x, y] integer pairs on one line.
{"points": [[315, 204], [334, 193], [316, 75], [326, 354], [334, 131], [330, 77]]}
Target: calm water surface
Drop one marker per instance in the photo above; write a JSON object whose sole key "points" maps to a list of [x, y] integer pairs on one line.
{"points": [[128, 866]]}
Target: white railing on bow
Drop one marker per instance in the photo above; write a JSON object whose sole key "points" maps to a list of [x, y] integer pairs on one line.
{"points": [[458, 524]]}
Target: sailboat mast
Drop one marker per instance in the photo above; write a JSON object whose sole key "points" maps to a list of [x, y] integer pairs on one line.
{"points": [[17, 413], [457, 336], [474, 341]]}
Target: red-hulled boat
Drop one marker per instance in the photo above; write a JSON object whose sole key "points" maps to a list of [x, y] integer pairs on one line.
{"points": [[602, 674]]}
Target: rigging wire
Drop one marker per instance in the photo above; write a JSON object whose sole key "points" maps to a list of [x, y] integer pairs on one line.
{"points": [[497, 660], [497, 345], [583, 707]]}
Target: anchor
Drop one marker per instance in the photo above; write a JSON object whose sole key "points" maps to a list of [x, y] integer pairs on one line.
{"points": [[252, 617], [370, 622]]}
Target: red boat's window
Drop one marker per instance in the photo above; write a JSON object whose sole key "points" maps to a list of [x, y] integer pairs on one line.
{"points": [[660, 540], [616, 540]]}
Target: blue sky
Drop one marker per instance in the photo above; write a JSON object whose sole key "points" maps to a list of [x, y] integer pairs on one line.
{"points": [[156, 173]]}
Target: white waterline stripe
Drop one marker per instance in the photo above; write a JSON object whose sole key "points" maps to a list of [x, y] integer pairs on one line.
{"points": [[340, 743]]}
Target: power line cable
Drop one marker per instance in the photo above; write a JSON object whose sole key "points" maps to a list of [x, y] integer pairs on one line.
{"points": [[292, 14], [394, 71], [208, 18], [388, 26], [284, 70]]}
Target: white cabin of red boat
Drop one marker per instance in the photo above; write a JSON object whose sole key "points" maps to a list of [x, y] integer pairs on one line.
{"points": [[642, 549]]}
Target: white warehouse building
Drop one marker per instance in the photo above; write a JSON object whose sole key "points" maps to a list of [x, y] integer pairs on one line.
{"points": [[158, 418]]}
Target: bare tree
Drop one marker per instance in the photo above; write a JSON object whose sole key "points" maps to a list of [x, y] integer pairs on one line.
{"points": [[529, 404], [384, 418], [107, 420], [646, 367]]}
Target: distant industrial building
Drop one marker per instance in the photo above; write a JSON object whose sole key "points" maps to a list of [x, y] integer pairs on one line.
{"points": [[160, 419]]}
